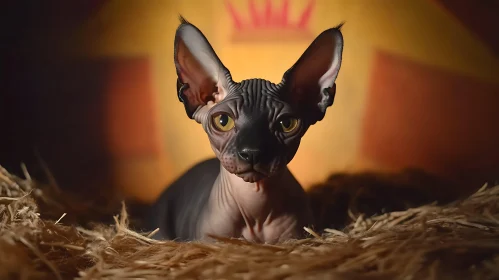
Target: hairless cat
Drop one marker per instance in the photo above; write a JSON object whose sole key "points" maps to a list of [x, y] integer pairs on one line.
{"points": [[254, 127]]}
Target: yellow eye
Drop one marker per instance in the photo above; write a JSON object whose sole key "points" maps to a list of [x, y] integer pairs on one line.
{"points": [[223, 122], [289, 124]]}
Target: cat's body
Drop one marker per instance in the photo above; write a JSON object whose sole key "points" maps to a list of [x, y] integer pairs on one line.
{"points": [[254, 127]]}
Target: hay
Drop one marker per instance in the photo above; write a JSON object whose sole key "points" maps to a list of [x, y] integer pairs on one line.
{"points": [[456, 241]]}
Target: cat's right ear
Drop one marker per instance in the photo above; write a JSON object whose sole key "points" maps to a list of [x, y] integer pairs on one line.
{"points": [[201, 76]]}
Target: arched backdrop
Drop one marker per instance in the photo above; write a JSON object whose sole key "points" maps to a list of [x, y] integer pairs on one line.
{"points": [[418, 86]]}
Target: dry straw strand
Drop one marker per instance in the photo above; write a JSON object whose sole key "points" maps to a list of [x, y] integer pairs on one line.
{"points": [[455, 241]]}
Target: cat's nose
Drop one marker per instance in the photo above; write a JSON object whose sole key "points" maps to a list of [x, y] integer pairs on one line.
{"points": [[249, 155]]}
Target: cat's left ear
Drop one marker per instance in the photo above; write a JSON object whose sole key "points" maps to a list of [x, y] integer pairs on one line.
{"points": [[309, 84]]}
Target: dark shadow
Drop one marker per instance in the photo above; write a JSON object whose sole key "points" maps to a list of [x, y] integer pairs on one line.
{"points": [[51, 104], [57, 111], [373, 193]]}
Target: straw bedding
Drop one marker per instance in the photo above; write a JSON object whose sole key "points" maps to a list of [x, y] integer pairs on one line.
{"points": [[459, 240]]}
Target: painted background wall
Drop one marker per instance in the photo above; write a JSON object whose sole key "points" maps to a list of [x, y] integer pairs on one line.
{"points": [[418, 86]]}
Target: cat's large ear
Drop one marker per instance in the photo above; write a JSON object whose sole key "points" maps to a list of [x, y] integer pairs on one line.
{"points": [[310, 83], [201, 75]]}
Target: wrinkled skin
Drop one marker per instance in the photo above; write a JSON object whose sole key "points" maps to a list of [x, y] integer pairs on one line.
{"points": [[254, 127]]}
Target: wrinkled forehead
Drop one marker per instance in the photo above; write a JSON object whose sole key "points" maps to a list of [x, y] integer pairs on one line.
{"points": [[256, 98], [257, 86]]}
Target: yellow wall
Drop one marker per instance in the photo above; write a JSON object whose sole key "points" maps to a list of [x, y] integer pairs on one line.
{"points": [[415, 28]]}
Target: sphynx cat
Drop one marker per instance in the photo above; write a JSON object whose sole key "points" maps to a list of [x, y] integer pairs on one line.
{"points": [[254, 127]]}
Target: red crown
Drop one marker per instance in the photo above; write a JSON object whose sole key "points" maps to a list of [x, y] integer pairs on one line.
{"points": [[269, 23]]}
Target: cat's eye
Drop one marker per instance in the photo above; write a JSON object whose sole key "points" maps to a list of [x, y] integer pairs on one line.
{"points": [[288, 124], [223, 122]]}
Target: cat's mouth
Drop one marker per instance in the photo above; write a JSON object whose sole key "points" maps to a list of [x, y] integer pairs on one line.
{"points": [[251, 176], [254, 174]]}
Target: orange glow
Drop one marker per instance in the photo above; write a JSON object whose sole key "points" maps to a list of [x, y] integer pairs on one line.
{"points": [[417, 30]]}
